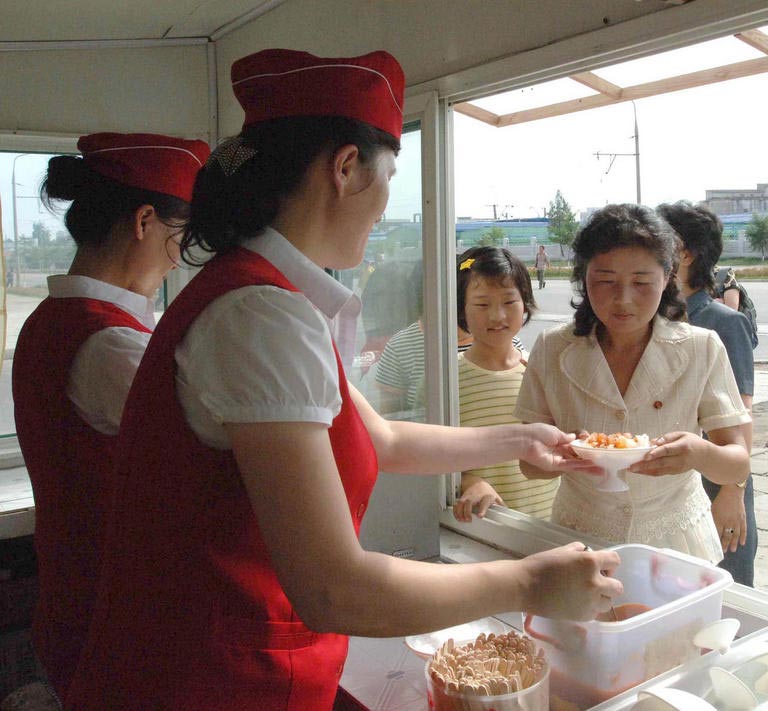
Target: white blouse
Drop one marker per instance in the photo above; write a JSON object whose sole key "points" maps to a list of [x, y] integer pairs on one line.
{"points": [[264, 354], [682, 382], [106, 363]]}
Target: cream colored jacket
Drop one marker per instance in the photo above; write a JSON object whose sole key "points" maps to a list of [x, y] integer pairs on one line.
{"points": [[682, 382]]}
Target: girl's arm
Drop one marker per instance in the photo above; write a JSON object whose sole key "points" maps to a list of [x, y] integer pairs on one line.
{"points": [[290, 474], [476, 494], [416, 448], [723, 458]]}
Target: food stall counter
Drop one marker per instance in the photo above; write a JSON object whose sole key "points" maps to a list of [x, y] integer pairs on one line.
{"points": [[385, 675]]}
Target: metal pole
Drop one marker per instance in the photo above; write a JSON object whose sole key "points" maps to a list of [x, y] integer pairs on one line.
{"points": [[637, 157], [17, 280]]}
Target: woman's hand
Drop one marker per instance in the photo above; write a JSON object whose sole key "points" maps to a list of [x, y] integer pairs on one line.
{"points": [[549, 450], [477, 495], [675, 453], [571, 582], [722, 458], [730, 517]]}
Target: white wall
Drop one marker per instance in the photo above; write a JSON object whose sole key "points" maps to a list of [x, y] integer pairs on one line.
{"points": [[164, 87], [77, 91]]}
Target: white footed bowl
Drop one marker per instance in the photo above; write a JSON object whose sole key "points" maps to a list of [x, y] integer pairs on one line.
{"points": [[612, 461]]}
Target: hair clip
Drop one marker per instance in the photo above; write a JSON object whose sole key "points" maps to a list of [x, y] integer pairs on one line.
{"points": [[231, 154], [466, 264]]}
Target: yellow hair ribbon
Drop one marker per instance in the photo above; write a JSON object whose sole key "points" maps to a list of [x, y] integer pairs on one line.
{"points": [[466, 264]]}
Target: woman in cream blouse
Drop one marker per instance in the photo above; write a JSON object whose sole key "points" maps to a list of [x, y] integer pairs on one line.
{"points": [[629, 362]]}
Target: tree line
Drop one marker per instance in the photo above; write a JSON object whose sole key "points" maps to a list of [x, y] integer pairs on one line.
{"points": [[563, 226]]}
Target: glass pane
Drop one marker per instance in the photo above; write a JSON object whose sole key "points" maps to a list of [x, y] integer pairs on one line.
{"points": [[35, 244], [508, 179], [389, 363]]}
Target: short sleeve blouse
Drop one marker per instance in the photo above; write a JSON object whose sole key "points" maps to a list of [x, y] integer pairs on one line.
{"points": [[261, 353], [106, 363], [257, 354]]}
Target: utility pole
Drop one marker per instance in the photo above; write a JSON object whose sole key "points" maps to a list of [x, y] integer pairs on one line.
{"points": [[17, 280], [636, 156], [505, 214]]}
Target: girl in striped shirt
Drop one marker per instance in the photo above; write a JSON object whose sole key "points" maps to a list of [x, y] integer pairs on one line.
{"points": [[495, 300]]}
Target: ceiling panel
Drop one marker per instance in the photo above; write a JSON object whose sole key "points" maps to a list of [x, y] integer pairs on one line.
{"points": [[77, 20]]}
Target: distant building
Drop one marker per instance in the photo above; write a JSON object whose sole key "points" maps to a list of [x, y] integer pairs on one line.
{"points": [[733, 202], [518, 233]]}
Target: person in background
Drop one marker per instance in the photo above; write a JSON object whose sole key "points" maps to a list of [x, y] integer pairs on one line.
{"points": [[389, 303], [77, 355], [495, 300], [400, 369], [233, 571], [542, 264], [733, 506], [726, 287], [630, 363], [734, 295]]}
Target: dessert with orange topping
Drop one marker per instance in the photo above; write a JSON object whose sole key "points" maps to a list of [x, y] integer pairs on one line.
{"points": [[617, 440]]}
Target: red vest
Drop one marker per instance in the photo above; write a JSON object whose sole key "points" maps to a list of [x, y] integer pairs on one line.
{"points": [[69, 464], [191, 616]]}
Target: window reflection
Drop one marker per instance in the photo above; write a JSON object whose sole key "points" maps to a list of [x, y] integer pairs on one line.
{"points": [[389, 362]]}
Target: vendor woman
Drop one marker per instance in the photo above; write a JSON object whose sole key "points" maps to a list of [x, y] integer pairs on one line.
{"points": [[78, 352], [233, 572]]}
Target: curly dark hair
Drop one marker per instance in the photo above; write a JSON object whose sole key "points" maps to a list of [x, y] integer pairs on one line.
{"points": [[625, 225], [496, 264], [701, 232]]}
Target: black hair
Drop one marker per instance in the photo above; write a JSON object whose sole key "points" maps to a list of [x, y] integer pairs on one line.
{"points": [[701, 232], [496, 264], [98, 202], [627, 225], [227, 209]]}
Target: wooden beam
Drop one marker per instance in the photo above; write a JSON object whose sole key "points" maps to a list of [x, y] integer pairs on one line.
{"points": [[598, 84], [476, 112], [754, 38], [747, 68]]}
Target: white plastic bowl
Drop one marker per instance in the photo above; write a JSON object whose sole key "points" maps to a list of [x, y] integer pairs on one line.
{"points": [[425, 645], [613, 461]]}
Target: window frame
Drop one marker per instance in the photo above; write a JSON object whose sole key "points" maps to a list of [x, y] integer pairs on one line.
{"points": [[10, 452], [645, 36]]}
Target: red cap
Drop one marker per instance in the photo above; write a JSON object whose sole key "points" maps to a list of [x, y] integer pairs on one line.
{"points": [[277, 83], [144, 160]]}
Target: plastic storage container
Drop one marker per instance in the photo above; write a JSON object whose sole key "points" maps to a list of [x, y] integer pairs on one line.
{"points": [[594, 661], [534, 698], [747, 659]]}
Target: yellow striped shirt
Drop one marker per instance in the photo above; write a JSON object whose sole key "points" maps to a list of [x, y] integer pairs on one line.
{"points": [[488, 397]]}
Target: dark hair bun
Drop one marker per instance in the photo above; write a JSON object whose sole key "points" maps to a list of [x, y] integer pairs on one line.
{"points": [[67, 178]]}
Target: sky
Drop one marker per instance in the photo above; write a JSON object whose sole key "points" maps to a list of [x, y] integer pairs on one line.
{"points": [[29, 171], [690, 141]]}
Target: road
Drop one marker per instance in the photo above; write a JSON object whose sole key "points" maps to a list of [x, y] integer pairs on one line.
{"points": [[554, 307]]}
